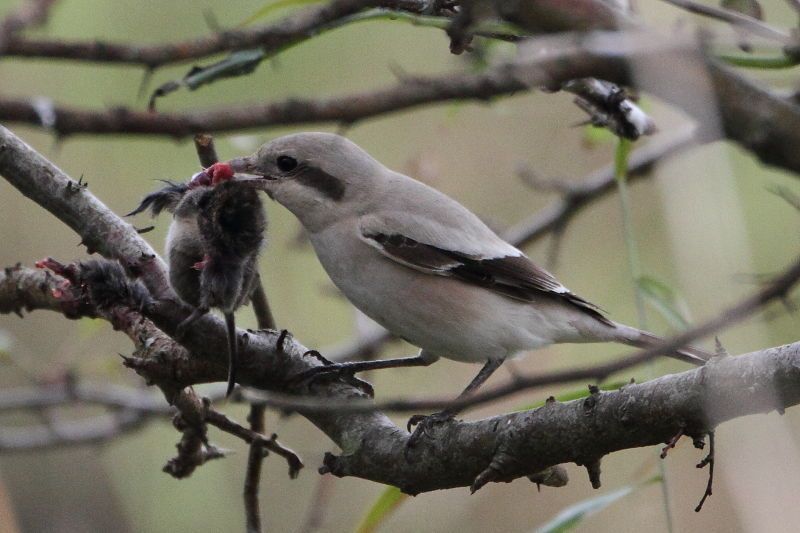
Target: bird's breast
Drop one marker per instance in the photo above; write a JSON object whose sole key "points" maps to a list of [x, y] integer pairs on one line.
{"points": [[445, 316]]}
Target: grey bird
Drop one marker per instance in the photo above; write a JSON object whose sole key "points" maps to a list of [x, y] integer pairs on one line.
{"points": [[422, 265]]}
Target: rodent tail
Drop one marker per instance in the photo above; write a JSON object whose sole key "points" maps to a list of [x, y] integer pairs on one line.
{"points": [[233, 355]]}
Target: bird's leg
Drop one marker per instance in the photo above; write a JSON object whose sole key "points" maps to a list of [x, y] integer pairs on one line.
{"points": [[424, 422], [352, 367]]}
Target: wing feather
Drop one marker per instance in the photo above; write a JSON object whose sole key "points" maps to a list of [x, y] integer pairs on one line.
{"points": [[514, 276]]}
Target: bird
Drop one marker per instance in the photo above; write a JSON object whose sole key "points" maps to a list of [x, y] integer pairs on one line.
{"points": [[212, 246], [422, 265]]}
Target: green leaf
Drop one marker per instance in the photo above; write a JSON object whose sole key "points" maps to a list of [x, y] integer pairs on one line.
{"points": [[5, 346], [576, 394], [273, 6], [573, 515], [665, 301], [389, 500], [594, 136], [237, 63], [760, 62], [751, 8]]}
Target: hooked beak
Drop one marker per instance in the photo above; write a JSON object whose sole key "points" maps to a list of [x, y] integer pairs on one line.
{"points": [[245, 171], [245, 165]]}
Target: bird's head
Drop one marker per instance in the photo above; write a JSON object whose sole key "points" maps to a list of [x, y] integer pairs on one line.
{"points": [[320, 177]]}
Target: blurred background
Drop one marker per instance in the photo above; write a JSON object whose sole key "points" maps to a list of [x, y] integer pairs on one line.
{"points": [[704, 224]]}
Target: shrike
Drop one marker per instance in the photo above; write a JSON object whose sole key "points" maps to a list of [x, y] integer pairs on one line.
{"points": [[422, 265]]}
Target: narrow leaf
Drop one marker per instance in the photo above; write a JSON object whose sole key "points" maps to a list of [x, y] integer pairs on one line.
{"points": [[237, 63], [576, 394], [573, 515], [667, 302], [751, 8], [271, 7], [389, 500], [5, 346]]}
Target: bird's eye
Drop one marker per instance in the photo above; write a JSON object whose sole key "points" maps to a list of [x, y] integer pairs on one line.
{"points": [[286, 163]]}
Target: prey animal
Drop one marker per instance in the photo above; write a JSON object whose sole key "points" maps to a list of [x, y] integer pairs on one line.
{"points": [[212, 246]]}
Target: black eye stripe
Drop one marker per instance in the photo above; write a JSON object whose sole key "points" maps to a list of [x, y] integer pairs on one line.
{"points": [[328, 185]]}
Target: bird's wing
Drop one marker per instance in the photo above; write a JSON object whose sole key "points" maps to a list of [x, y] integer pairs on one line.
{"points": [[426, 245]]}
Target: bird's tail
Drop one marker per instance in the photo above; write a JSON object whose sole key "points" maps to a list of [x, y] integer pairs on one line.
{"points": [[644, 339]]}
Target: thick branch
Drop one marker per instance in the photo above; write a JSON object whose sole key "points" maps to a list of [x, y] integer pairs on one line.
{"points": [[505, 447], [100, 230]]}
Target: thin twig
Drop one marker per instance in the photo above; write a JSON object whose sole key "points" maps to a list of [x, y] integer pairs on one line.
{"points": [[320, 502], [220, 421], [708, 461], [206, 151], [671, 444], [740, 20], [252, 478], [30, 14], [576, 196]]}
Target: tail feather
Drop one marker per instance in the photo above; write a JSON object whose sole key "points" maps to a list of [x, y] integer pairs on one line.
{"points": [[644, 339], [232, 352]]}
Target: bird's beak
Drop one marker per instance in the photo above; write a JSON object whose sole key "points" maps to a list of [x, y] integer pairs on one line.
{"points": [[247, 170], [243, 165]]}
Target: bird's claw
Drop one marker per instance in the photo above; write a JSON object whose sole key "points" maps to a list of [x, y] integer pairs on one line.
{"points": [[424, 424], [313, 373], [309, 375]]}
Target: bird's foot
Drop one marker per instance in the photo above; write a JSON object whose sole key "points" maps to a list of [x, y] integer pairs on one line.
{"points": [[424, 424], [344, 371], [310, 375]]}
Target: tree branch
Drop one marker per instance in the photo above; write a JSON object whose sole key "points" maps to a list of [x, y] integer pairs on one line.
{"points": [[734, 18], [299, 26], [462, 454], [764, 123], [30, 13]]}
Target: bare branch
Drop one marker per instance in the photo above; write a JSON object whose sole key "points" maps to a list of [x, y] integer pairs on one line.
{"points": [[251, 436], [66, 392], [763, 122], [740, 20], [206, 151], [638, 415], [99, 229], [289, 30], [193, 448], [57, 433], [252, 478], [31, 13], [576, 196]]}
